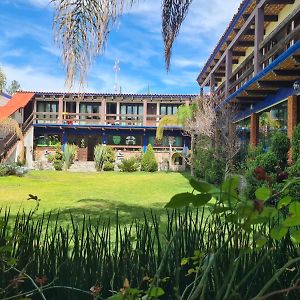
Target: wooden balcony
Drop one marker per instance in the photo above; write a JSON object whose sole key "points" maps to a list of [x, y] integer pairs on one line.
{"points": [[95, 119]]}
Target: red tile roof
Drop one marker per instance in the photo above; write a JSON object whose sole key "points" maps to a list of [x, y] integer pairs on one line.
{"points": [[19, 100]]}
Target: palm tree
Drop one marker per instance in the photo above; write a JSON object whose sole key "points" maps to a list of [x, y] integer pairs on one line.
{"points": [[82, 28], [183, 115], [11, 126], [2, 81]]}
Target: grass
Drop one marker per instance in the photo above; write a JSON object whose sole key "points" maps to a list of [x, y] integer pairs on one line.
{"points": [[93, 194]]}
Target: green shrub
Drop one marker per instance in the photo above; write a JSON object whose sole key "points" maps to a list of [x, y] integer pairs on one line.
{"points": [[129, 165], [280, 147], [110, 155], [3, 170], [69, 155], [148, 162], [209, 165], [58, 164], [296, 143], [108, 166], [268, 161]]}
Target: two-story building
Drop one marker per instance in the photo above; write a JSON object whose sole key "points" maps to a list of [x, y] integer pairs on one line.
{"points": [[126, 122], [256, 66]]}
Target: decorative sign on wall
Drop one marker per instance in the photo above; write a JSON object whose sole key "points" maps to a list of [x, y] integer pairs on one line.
{"points": [[117, 139]]}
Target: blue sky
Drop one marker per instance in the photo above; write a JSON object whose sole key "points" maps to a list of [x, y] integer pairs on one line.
{"points": [[28, 53]]}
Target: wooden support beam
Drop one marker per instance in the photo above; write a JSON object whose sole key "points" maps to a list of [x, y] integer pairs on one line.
{"points": [[245, 44], [228, 71], [241, 32], [275, 83], [238, 53], [260, 92], [275, 2], [296, 58], [292, 72], [220, 74], [259, 36], [268, 18], [250, 99]]}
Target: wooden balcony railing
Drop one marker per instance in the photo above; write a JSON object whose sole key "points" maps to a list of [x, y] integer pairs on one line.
{"points": [[95, 119]]}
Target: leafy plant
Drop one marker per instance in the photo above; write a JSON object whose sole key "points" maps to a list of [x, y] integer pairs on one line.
{"points": [[100, 154], [108, 166], [280, 147], [148, 162], [129, 165], [296, 143], [69, 154]]}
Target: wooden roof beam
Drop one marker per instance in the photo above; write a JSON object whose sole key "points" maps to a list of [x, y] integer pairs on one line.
{"points": [[245, 44], [275, 83], [241, 32], [268, 18], [292, 72], [275, 2], [296, 58], [238, 53], [260, 92]]}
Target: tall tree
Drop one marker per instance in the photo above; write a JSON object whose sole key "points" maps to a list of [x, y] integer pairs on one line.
{"points": [[13, 87], [82, 28]]}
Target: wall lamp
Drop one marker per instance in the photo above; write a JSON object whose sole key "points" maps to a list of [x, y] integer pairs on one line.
{"points": [[296, 86]]}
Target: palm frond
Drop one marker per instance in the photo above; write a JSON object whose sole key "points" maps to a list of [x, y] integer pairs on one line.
{"points": [[2, 81], [168, 120], [81, 30], [173, 14]]}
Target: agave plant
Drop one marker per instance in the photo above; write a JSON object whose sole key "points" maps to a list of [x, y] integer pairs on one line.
{"points": [[100, 152], [69, 155]]}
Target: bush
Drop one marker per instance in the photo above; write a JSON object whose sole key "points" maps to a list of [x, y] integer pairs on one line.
{"points": [[110, 155], [108, 166], [129, 165], [69, 155], [280, 147], [58, 164], [57, 158], [268, 161], [296, 143], [209, 165], [3, 170], [148, 162]]}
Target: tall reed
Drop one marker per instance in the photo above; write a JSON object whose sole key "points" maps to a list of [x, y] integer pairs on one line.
{"points": [[204, 256]]}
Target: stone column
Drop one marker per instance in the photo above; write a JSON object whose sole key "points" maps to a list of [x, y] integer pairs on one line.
{"points": [[103, 111], [259, 36], [254, 129]]}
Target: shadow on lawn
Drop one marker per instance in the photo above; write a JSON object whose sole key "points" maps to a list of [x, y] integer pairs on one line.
{"points": [[104, 210]]}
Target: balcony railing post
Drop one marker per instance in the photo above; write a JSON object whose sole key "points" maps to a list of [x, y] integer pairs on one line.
{"points": [[259, 36]]}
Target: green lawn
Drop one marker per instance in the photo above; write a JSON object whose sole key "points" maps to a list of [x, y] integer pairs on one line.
{"points": [[93, 194]]}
